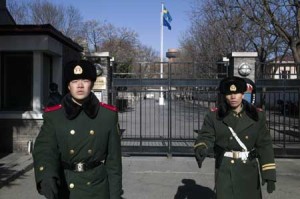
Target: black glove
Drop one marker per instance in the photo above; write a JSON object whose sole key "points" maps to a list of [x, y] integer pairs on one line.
{"points": [[49, 188], [270, 186], [200, 153]]}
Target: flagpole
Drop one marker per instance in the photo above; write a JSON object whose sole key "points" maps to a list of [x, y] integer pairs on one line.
{"points": [[161, 98]]}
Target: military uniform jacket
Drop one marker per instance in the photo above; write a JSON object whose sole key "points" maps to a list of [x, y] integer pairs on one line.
{"points": [[235, 178], [80, 139]]}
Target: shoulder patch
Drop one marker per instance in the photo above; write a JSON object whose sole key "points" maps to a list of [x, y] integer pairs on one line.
{"points": [[52, 108], [259, 109], [110, 107], [213, 109]]}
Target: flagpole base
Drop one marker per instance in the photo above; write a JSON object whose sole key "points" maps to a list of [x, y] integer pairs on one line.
{"points": [[161, 101]]}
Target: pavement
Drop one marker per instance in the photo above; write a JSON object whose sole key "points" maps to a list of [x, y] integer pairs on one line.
{"points": [[14, 165], [153, 177]]}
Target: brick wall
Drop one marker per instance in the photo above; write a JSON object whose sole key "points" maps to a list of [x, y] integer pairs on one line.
{"points": [[15, 134]]}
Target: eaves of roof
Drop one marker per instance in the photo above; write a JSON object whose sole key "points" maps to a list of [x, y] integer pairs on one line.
{"points": [[44, 29]]}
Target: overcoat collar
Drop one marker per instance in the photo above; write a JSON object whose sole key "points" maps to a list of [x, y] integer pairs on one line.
{"points": [[243, 122], [90, 106]]}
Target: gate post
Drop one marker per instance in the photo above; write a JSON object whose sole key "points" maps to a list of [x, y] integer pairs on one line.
{"points": [[242, 64], [103, 84]]}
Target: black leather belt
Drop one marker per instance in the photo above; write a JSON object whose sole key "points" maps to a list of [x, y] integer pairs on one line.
{"points": [[81, 166]]}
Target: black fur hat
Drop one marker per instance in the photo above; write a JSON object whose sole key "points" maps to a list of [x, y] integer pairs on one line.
{"points": [[81, 69], [232, 85]]}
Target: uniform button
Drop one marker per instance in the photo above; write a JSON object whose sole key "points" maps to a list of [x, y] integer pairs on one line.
{"points": [[72, 151], [88, 183], [231, 138], [246, 137], [92, 132], [41, 168], [232, 161], [71, 185], [90, 151], [244, 161], [72, 132]]}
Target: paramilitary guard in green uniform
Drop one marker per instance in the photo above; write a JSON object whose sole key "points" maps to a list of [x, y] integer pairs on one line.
{"points": [[242, 144], [77, 153]]}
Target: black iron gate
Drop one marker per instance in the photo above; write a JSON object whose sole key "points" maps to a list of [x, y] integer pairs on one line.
{"points": [[188, 91], [278, 92], [159, 111]]}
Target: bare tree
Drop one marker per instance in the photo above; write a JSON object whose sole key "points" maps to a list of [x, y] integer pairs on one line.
{"points": [[223, 26], [73, 23], [92, 33], [66, 19], [282, 15], [146, 54], [45, 12], [253, 37], [120, 42], [19, 11], [210, 37]]}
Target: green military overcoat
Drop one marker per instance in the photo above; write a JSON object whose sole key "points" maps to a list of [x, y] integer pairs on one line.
{"points": [[80, 139], [236, 179]]}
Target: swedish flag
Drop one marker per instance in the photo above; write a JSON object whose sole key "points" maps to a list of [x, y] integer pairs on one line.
{"points": [[167, 18]]}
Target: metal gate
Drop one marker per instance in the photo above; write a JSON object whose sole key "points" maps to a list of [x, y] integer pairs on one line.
{"points": [[278, 92], [189, 90], [150, 126]]}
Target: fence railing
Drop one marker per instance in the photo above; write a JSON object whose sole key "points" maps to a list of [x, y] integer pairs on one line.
{"points": [[189, 92]]}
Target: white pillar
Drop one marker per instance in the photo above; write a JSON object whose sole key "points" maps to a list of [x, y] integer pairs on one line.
{"points": [[37, 81]]}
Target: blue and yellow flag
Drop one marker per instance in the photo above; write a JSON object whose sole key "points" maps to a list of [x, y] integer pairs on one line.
{"points": [[167, 18]]}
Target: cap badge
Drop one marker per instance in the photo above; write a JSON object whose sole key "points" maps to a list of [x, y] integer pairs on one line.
{"points": [[77, 70], [232, 87]]}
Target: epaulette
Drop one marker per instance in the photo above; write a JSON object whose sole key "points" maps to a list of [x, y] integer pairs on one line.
{"points": [[109, 107], [52, 108], [213, 109], [259, 109]]}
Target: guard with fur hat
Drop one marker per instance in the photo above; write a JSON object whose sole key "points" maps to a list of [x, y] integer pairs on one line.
{"points": [[54, 96], [242, 144], [77, 153]]}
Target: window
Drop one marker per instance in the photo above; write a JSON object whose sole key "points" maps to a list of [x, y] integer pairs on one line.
{"points": [[16, 81]]}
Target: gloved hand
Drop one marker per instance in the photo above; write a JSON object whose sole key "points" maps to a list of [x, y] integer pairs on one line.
{"points": [[200, 153], [270, 186], [49, 188]]}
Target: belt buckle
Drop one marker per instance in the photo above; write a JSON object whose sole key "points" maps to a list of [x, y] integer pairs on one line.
{"points": [[79, 167], [235, 154]]}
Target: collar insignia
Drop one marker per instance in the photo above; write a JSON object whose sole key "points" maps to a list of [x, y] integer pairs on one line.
{"points": [[232, 88], [77, 70]]}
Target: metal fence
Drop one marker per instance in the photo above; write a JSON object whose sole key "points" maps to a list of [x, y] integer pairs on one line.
{"points": [[188, 92], [278, 92]]}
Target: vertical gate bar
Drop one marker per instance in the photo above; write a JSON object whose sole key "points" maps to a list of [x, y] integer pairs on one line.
{"points": [[274, 116], [294, 113], [284, 115], [141, 118], [280, 122], [298, 107], [169, 113]]}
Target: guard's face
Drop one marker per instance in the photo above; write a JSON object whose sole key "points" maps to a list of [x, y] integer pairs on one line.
{"points": [[80, 89], [234, 100]]}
